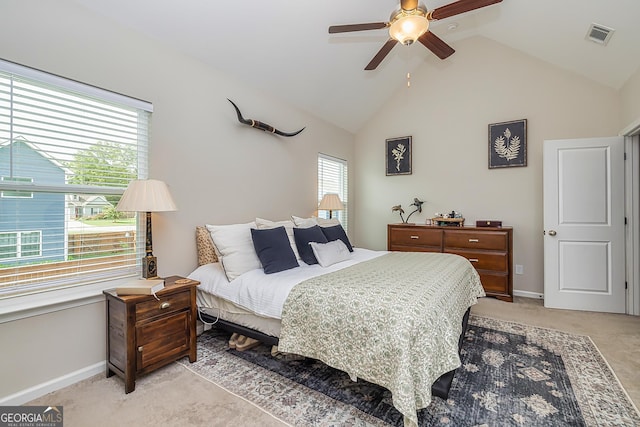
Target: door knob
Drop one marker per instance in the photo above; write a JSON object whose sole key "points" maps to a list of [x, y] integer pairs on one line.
{"points": [[552, 232]]}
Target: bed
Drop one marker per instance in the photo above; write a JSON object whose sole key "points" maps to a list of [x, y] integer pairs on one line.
{"points": [[394, 319]]}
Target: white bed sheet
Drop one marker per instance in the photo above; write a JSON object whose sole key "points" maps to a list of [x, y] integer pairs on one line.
{"points": [[265, 294]]}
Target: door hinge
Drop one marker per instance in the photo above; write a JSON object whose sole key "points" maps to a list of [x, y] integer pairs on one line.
{"points": [[625, 220], [625, 156], [625, 285]]}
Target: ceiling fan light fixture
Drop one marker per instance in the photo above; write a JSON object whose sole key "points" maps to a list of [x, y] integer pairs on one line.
{"points": [[407, 28], [410, 22]]}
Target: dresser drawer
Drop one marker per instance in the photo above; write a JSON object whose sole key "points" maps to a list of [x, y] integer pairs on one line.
{"points": [[497, 283], [423, 237], [495, 261], [490, 240], [167, 304]]}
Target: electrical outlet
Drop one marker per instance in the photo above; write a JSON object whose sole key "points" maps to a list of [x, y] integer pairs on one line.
{"points": [[519, 269]]}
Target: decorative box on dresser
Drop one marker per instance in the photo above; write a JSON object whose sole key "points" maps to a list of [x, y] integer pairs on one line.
{"points": [[489, 249], [145, 333]]}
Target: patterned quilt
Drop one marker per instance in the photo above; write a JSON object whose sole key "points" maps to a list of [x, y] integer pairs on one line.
{"points": [[394, 321]]}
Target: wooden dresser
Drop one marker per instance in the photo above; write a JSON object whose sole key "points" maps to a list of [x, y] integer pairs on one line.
{"points": [[489, 249], [145, 333]]}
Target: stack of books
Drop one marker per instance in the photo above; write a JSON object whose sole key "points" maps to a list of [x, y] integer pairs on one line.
{"points": [[141, 287]]}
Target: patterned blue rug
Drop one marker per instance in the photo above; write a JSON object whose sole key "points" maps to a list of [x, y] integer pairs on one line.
{"points": [[511, 374]]}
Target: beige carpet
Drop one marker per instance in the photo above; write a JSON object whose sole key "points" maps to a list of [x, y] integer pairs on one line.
{"points": [[174, 396]]}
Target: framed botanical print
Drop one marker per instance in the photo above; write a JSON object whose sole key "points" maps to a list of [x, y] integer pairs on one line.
{"points": [[508, 144], [398, 156]]}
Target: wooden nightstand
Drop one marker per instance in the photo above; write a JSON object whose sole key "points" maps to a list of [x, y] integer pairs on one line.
{"points": [[144, 333]]}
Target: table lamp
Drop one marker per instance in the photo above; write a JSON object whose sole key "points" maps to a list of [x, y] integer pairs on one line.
{"points": [[147, 195], [330, 202]]}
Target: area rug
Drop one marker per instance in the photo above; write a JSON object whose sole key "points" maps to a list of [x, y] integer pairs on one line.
{"points": [[511, 374]]}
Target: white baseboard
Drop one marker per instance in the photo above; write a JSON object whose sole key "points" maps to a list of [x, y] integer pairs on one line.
{"points": [[27, 395], [527, 294]]}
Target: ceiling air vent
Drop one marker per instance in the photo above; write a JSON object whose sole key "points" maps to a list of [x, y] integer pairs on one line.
{"points": [[599, 34]]}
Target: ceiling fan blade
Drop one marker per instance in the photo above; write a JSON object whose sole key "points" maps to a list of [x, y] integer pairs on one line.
{"points": [[459, 7], [436, 45], [382, 53], [408, 4], [357, 27]]}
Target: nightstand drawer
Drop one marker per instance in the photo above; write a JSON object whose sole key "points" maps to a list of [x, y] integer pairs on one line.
{"points": [[498, 241], [167, 304], [495, 261]]}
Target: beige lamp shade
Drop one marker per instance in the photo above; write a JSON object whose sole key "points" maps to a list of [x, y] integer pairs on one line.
{"points": [[331, 202], [146, 195]]}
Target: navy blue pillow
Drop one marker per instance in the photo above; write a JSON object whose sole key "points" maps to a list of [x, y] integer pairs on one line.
{"points": [[274, 249], [303, 236], [336, 232]]}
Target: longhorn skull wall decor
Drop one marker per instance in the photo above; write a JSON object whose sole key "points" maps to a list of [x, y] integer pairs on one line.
{"points": [[259, 125]]}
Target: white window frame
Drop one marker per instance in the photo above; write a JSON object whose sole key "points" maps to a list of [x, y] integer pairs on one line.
{"points": [[17, 306]]}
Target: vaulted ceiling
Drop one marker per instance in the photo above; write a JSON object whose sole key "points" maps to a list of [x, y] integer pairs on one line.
{"points": [[283, 46]]}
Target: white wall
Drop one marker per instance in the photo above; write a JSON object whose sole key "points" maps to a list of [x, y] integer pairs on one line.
{"points": [[218, 170], [447, 111], [630, 98], [222, 172]]}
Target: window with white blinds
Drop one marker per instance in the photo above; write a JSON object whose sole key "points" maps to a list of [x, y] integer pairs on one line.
{"points": [[333, 178], [67, 153]]}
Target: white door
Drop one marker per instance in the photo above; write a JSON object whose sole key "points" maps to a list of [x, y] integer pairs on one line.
{"points": [[584, 258]]}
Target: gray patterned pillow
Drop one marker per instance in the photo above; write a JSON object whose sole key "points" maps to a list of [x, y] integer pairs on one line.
{"points": [[204, 244]]}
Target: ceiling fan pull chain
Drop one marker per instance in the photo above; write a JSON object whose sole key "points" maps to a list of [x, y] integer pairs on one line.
{"points": [[408, 79]]}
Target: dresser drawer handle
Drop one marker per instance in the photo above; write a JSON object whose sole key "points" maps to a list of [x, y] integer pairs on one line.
{"points": [[473, 259], [415, 237], [474, 240], [165, 305]]}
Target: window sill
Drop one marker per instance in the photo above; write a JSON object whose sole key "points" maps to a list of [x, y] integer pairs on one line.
{"points": [[24, 306]]}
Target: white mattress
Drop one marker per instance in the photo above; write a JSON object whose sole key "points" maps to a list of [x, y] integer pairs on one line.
{"points": [[265, 294], [219, 308]]}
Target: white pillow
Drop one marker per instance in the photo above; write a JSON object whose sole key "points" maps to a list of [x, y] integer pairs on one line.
{"points": [[264, 224], [304, 222], [310, 222], [211, 277], [235, 246], [330, 253], [327, 222]]}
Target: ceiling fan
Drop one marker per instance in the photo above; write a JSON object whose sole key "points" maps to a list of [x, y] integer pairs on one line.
{"points": [[410, 22]]}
